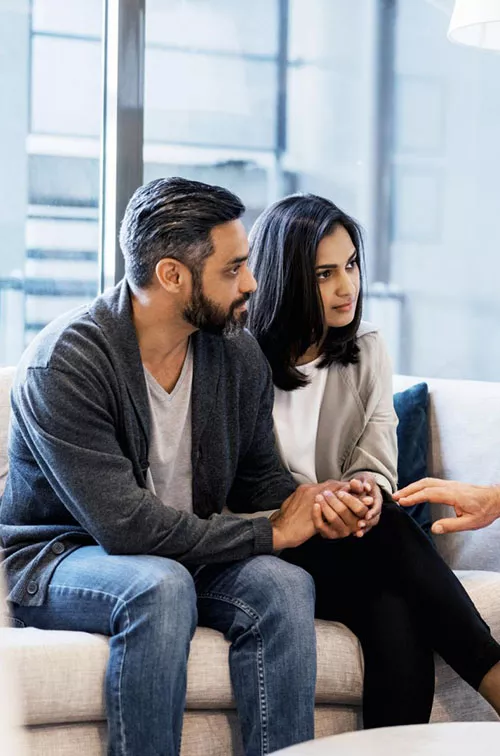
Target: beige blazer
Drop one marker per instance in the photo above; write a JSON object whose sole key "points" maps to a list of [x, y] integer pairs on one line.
{"points": [[357, 422]]}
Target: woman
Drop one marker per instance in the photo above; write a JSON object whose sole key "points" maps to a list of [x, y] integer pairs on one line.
{"points": [[334, 420]]}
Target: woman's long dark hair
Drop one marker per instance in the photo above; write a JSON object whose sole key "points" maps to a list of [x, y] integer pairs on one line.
{"points": [[286, 313]]}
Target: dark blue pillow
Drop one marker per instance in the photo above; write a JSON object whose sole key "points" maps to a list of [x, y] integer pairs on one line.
{"points": [[411, 408]]}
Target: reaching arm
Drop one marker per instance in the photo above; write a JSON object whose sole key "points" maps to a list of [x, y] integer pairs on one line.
{"points": [[475, 506]]}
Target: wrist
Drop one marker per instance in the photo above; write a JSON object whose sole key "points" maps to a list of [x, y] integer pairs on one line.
{"points": [[279, 541], [495, 501]]}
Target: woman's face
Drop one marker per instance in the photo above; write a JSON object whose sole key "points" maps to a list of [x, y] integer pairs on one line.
{"points": [[337, 273]]}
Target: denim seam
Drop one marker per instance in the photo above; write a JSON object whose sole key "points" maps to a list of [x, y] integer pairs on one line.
{"points": [[122, 662], [81, 590], [121, 601], [231, 600], [260, 660], [262, 694]]}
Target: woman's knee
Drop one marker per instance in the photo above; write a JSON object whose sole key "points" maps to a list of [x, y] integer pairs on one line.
{"points": [[394, 512]]}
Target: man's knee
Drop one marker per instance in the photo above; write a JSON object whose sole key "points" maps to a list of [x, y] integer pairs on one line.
{"points": [[165, 591], [170, 580], [285, 588]]}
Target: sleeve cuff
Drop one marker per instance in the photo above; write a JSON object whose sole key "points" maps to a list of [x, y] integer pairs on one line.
{"points": [[263, 535], [384, 485]]}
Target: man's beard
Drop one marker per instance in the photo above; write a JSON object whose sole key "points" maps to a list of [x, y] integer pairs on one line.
{"points": [[208, 316]]}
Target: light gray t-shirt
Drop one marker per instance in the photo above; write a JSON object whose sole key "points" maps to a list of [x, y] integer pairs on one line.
{"points": [[170, 471]]}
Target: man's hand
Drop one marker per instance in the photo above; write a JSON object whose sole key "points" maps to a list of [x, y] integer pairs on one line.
{"points": [[292, 523], [475, 506], [306, 512]]}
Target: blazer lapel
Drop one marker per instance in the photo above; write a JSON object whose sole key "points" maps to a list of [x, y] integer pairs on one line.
{"points": [[340, 415]]}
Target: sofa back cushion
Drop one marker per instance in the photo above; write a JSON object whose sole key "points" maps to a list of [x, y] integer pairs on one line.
{"points": [[412, 407]]}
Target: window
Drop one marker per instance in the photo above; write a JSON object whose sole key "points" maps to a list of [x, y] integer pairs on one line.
{"points": [[50, 89], [446, 196], [265, 97], [364, 102]]}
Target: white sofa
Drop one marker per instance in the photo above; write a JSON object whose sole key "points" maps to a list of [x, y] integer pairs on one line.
{"points": [[61, 673]]}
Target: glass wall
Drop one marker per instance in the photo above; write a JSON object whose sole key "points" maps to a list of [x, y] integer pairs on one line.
{"points": [[50, 90], [365, 102], [263, 96], [211, 93], [445, 251]]}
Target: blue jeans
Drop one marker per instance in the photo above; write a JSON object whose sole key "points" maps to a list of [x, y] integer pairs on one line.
{"points": [[149, 606]]}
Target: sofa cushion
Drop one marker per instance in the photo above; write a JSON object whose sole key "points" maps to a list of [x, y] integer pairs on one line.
{"points": [[62, 673], [411, 407]]}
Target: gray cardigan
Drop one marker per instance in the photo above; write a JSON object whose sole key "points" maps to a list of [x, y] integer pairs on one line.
{"points": [[78, 450]]}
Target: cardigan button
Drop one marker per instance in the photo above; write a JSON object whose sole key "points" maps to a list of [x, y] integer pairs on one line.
{"points": [[58, 548], [32, 587]]}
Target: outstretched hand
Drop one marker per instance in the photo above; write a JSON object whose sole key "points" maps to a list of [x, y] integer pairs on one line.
{"points": [[475, 506]]}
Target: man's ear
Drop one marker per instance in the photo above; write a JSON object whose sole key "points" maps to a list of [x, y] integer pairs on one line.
{"points": [[171, 274]]}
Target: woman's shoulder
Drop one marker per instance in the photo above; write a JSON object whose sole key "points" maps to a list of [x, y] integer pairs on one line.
{"points": [[371, 367], [370, 341], [366, 328], [373, 371]]}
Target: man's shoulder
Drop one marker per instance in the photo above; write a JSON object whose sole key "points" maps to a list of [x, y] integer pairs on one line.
{"points": [[243, 351], [76, 336], [237, 354], [243, 344], [69, 343]]}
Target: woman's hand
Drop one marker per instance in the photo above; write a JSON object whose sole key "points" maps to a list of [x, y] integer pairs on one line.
{"points": [[365, 486], [338, 513]]}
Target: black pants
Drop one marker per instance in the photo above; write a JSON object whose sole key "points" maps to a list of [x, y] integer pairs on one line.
{"points": [[395, 592]]}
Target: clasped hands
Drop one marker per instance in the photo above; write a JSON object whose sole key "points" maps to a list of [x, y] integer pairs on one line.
{"points": [[333, 509]]}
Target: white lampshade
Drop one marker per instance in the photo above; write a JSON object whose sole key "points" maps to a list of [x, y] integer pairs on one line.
{"points": [[476, 23]]}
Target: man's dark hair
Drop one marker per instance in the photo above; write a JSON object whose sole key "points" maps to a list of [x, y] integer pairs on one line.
{"points": [[173, 217], [286, 313]]}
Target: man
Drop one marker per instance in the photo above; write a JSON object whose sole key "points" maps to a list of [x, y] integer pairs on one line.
{"points": [[134, 421], [475, 506]]}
